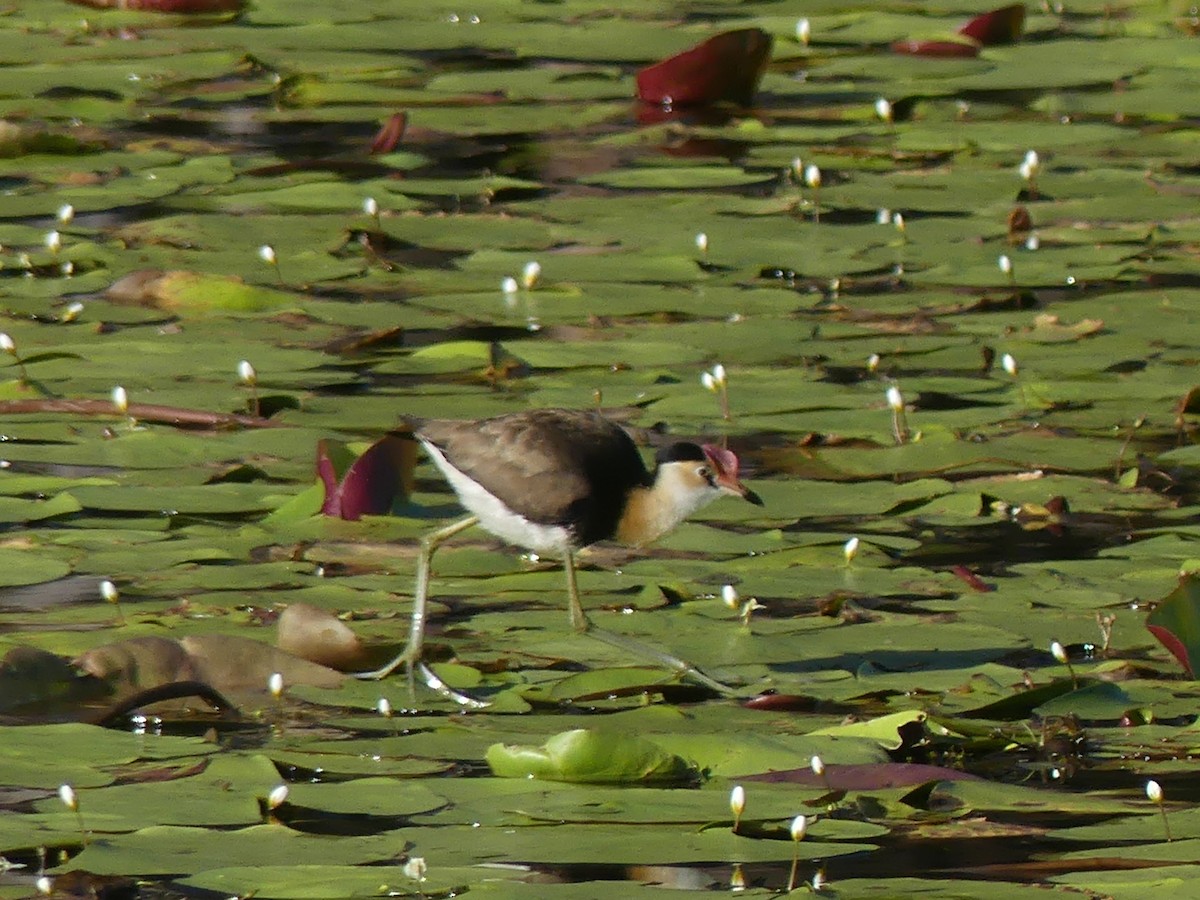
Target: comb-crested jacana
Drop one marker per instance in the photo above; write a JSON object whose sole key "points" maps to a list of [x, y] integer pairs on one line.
{"points": [[555, 480]]}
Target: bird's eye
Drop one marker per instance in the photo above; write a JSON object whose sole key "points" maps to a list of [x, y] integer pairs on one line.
{"points": [[706, 473]]}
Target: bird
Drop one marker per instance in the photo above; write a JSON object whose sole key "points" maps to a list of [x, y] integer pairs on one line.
{"points": [[553, 481]]}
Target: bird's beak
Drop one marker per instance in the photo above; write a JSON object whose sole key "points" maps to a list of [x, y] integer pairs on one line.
{"points": [[725, 473]]}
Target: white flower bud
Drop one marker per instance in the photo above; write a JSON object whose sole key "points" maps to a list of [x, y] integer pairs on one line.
{"points": [[530, 274], [898, 223], [1154, 791], [1058, 652], [729, 596], [812, 176], [718, 373], [65, 214], [883, 216], [72, 312], [109, 592], [737, 800], [120, 399], [1005, 264], [384, 707], [797, 168], [370, 206], [1033, 242], [702, 242], [850, 549], [246, 372], [817, 765], [7, 344], [53, 241], [509, 285], [275, 684], [277, 797], [799, 828], [708, 381], [873, 362], [415, 868], [267, 254], [1009, 364], [883, 109], [66, 794], [44, 885], [895, 399], [804, 31]]}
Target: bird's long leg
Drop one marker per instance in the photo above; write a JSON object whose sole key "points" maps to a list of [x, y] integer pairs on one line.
{"points": [[416, 633], [579, 619], [580, 622], [681, 666]]}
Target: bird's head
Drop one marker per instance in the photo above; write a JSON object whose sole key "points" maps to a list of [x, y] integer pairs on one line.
{"points": [[704, 472]]}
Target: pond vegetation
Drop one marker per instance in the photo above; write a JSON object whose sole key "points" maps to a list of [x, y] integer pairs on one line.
{"points": [[943, 307]]}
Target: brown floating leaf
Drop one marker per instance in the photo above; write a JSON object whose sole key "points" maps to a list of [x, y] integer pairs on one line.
{"points": [[319, 636], [937, 49], [864, 776], [390, 134], [1000, 26], [180, 7], [1020, 223], [725, 68], [1050, 329], [228, 663]]}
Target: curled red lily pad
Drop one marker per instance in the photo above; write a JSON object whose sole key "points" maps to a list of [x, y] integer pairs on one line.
{"points": [[725, 68]]}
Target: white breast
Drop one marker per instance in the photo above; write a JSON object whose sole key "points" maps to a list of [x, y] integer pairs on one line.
{"points": [[497, 518]]}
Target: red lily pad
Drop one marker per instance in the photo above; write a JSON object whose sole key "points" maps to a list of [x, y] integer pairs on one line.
{"points": [[371, 484], [388, 137], [725, 68], [180, 7], [937, 49], [1176, 623], [1000, 26]]}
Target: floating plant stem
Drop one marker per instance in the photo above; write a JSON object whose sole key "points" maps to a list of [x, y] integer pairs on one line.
{"points": [[110, 594], [798, 829], [70, 800], [275, 686], [268, 255], [717, 381], [737, 805], [1154, 792], [9, 346], [249, 377], [895, 401], [1059, 652]]}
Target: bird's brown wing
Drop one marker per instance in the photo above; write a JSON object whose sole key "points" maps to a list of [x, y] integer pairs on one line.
{"points": [[550, 466]]}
